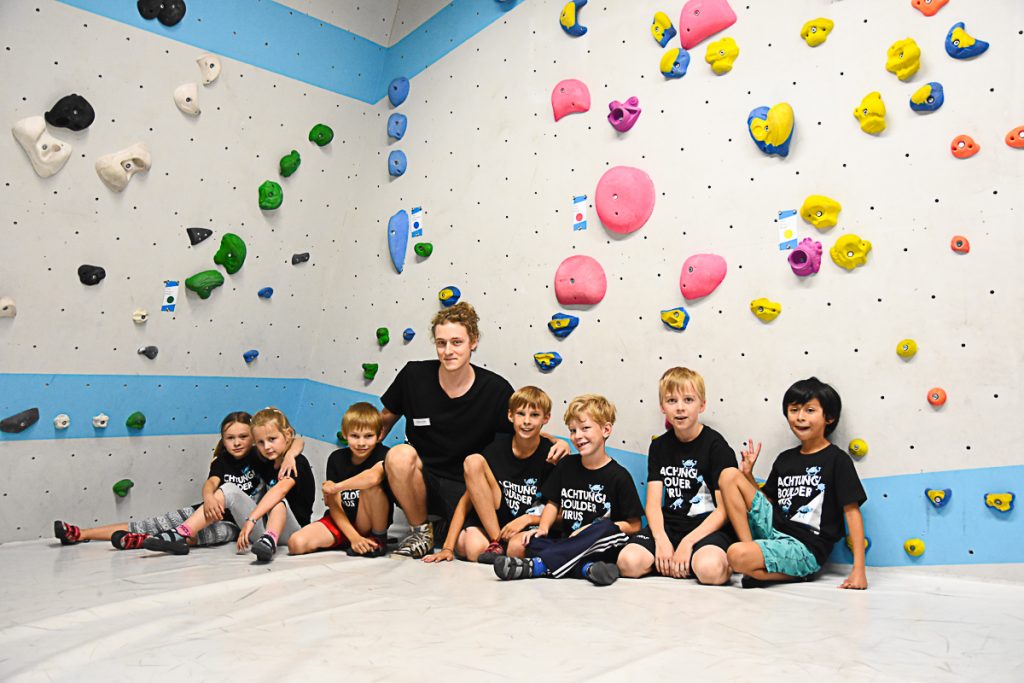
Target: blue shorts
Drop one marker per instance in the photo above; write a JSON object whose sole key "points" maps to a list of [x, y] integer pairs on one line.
{"points": [[783, 554]]}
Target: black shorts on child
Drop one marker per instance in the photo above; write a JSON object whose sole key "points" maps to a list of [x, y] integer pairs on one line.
{"points": [[504, 517], [722, 538], [443, 494]]}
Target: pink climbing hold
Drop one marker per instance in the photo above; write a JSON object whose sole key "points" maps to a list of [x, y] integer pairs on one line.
{"points": [[623, 115], [570, 97], [702, 18], [580, 280], [702, 273], [624, 199]]}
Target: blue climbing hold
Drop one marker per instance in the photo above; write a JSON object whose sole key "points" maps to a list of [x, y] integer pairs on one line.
{"points": [[397, 163], [961, 45], [547, 361], [562, 325], [398, 238], [397, 123], [938, 497], [250, 355], [408, 334], [265, 293], [675, 62], [569, 19], [398, 90], [928, 97], [449, 296]]}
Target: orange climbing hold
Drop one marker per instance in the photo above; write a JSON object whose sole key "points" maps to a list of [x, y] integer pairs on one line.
{"points": [[937, 397], [928, 7], [964, 147], [1015, 138], [960, 245]]}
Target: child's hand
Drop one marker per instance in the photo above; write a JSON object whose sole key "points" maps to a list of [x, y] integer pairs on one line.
{"points": [[514, 527], [748, 456], [329, 488], [663, 555], [363, 545], [443, 555], [532, 533], [857, 580], [213, 509], [288, 468], [681, 559], [559, 449], [243, 536]]}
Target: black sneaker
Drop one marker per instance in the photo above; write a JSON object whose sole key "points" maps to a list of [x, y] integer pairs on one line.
{"points": [[602, 573], [264, 548], [508, 568], [125, 540], [165, 545], [491, 553]]}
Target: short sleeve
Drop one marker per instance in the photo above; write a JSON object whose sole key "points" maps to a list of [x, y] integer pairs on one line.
{"points": [[847, 485], [654, 462], [394, 398], [334, 466], [722, 457], [551, 489], [771, 484], [628, 503], [216, 469]]}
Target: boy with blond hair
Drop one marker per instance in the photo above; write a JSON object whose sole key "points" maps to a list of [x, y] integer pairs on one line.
{"points": [[592, 496]]}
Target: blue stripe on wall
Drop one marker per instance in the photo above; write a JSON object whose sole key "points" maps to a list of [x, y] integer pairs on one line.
{"points": [[279, 39], [963, 532]]}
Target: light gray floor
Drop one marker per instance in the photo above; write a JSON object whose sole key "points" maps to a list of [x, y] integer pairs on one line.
{"points": [[89, 612]]}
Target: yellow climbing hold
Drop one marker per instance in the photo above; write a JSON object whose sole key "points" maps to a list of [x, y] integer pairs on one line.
{"points": [[765, 310], [906, 349], [721, 54], [816, 31], [820, 211], [914, 547], [871, 113], [858, 448], [903, 58]]}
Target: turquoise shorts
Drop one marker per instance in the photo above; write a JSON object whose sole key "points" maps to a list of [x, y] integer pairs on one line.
{"points": [[783, 554]]}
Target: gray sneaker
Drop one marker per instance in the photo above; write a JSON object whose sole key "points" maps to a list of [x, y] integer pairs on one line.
{"points": [[418, 543]]}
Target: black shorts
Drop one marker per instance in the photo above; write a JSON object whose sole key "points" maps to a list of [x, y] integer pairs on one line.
{"points": [[722, 538], [443, 494], [504, 517]]}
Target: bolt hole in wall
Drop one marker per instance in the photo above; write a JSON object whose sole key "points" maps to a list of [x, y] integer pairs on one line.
{"points": [[900, 189]]}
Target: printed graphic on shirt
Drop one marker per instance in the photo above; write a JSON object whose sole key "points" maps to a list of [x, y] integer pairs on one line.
{"points": [[350, 501], [802, 497], [583, 506], [248, 480], [680, 483], [520, 496]]}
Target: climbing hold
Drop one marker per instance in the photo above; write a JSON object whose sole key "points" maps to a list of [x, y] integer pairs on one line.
{"points": [[72, 112], [47, 154], [250, 355], [300, 258], [806, 258], [623, 115], [205, 282], [624, 199], [960, 44], [369, 370], [197, 235], [562, 324], [167, 12], [383, 336], [149, 352], [396, 163], [341, 437], [140, 315], [135, 421], [62, 421], [928, 97], [871, 113], [270, 195], [701, 275], [547, 361], [662, 29], [408, 334], [397, 124], [100, 421], [928, 7], [321, 134], [938, 497], [914, 547], [937, 397], [570, 97], [765, 310], [964, 147], [398, 238], [867, 544], [186, 97], [1015, 138], [675, 62], [903, 58], [772, 129], [702, 18], [290, 163], [858, 448], [721, 54], [398, 90], [209, 68], [116, 169], [423, 249], [850, 251], [231, 254], [20, 422], [960, 245], [122, 487], [449, 296], [676, 318], [816, 31], [580, 280], [90, 275], [999, 501], [265, 293], [906, 349], [569, 18], [8, 308]]}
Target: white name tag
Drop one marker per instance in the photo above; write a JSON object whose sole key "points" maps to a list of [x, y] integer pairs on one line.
{"points": [[421, 421]]}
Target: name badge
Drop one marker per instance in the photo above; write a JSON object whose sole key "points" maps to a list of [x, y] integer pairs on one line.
{"points": [[421, 421]]}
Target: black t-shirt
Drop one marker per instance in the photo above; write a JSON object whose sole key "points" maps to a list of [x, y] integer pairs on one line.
{"points": [[689, 472], [445, 430], [809, 493], [242, 473], [300, 498], [583, 495], [340, 467], [520, 480]]}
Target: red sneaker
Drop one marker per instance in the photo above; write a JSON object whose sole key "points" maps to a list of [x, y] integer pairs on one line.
{"points": [[124, 540], [491, 553], [67, 534]]}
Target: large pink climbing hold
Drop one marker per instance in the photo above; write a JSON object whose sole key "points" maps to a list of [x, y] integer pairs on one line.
{"points": [[702, 273], [702, 18], [570, 97], [580, 280], [624, 199]]}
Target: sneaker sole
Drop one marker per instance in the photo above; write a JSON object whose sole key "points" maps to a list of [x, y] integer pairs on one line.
{"points": [[262, 553], [163, 546]]}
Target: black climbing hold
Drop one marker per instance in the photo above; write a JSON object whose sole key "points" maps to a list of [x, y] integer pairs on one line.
{"points": [[167, 12], [72, 112], [149, 351], [149, 8], [300, 258], [91, 275], [197, 235], [20, 422]]}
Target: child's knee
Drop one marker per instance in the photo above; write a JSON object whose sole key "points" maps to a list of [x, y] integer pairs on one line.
{"points": [[711, 566], [728, 477], [742, 557], [473, 465], [516, 548], [299, 545], [633, 561]]}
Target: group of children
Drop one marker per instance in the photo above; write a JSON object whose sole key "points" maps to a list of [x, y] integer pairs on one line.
{"points": [[707, 517]]}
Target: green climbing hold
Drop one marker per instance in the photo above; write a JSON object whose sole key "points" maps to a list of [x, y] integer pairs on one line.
{"points": [[424, 249], [205, 282], [383, 336], [321, 134], [135, 421], [290, 163], [122, 487], [370, 370], [231, 254], [271, 195], [342, 440]]}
